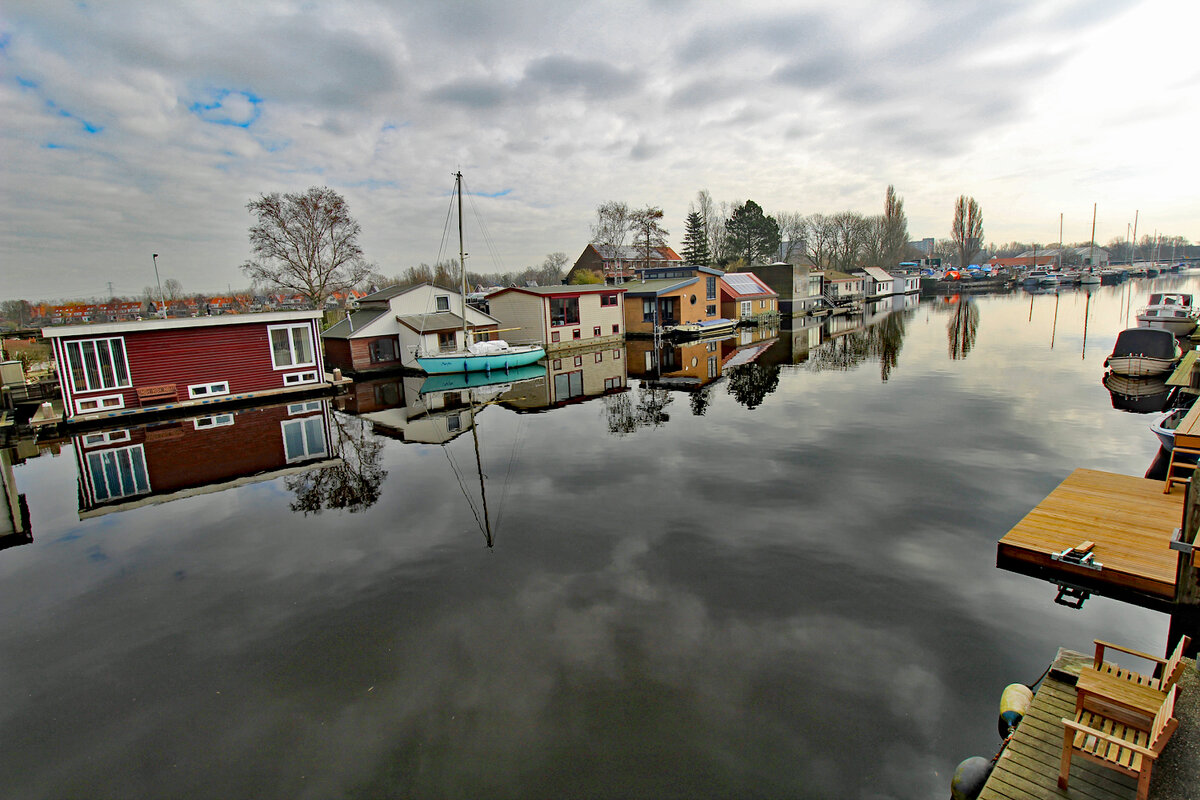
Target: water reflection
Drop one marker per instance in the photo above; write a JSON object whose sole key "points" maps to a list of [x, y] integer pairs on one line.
{"points": [[352, 482], [962, 328], [850, 344], [15, 526], [123, 468]]}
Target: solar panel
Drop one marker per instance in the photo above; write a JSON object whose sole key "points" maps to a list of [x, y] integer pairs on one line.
{"points": [[742, 284]]}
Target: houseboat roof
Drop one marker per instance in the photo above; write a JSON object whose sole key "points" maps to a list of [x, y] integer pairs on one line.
{"points": [[747, 284], [587, 288], [139, 326], [877, 273], [441, 321], [353, 324], [388, 292], [657, 287]]}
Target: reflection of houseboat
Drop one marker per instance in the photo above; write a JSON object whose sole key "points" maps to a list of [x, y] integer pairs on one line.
{"points": [[117, 369], [14, 512], [695, 364], [121, 468], [572, 377]]}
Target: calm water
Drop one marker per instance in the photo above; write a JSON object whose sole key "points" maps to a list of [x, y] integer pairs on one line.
{"points": [[779, 584]]}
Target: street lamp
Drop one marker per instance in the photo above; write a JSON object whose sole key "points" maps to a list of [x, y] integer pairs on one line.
{"points": [[162, 303]]}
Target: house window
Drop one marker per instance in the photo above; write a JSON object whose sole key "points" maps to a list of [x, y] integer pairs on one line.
{"points": [[118, 473], [710, 310], [596, 331], [383, 350], [568, 385], [442, 302], [97, 364], [648, 309], [564, 311], [612, 383], [575, 334], [579, 361], [616, 355], [608, 299], [599, 357], [710, 285], [713, 371], [616, 329], [447, 342], [108, 401], [557, 363], [554, 336], [208, 389], [304, 408], [215, 421], [297, 378], [291, 346], [105, 437], [303, 438]]}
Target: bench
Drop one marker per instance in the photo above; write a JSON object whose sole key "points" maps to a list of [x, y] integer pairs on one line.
{"points": [[162, 393], [1128, 748]]}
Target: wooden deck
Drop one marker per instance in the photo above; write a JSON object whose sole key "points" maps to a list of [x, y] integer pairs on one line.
{"points": [[1028, 767], [1129, 519]]}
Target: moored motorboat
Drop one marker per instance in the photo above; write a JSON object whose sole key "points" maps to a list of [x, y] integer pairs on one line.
{"points": [[1171, 312], [1142, 352], [1164, 426], [705, 327]]}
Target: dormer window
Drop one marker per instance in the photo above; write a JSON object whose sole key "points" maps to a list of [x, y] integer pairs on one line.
{"points": [[443, 302]]}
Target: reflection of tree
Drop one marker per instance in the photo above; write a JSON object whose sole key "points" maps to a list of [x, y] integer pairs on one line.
{"points": [[961, 329], [624, 417], [751, 383], [882, 340], [351, 485], [700, 400]]}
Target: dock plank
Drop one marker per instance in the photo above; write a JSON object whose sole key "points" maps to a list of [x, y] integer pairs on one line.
{"points": [[1129, 519]]}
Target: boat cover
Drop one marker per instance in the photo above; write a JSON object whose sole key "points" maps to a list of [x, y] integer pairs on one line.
{"points": [[494, 346], [1151, 342]]}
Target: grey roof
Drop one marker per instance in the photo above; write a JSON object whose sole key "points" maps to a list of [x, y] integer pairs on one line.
{"points": [[353, 324], [440, 321], [656, 287], [388, 292], [597, 288], [628, 252]]}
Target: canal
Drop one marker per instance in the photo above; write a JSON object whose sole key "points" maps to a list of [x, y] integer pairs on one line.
{"points": [[759, 567]]}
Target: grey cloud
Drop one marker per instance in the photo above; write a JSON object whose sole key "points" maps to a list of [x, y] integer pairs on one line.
{"points": [[781, 34], [478, 94], [595, 78]]}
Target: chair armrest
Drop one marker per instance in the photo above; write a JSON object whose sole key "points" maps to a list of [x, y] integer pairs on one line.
{"points": [[1108, 737], [1101, 646]]}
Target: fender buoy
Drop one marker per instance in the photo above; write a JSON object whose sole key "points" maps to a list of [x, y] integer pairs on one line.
{"points": [[969, 778], [1014, 704]]}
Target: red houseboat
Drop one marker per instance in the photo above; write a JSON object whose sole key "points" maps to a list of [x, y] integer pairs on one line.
{"points": [[123, 368]]}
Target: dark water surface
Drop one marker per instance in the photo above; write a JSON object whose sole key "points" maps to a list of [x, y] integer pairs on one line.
{"points": [[780, 585]]}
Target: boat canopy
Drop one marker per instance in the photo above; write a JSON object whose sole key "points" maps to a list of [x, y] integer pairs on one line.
{"points": [[1152, 342]]}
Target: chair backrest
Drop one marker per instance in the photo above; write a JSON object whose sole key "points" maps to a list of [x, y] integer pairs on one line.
{"points": [[1164, 722], [1174, 666]]}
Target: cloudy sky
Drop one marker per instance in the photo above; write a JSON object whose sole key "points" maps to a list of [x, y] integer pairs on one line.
{"points": [[134, 128]]}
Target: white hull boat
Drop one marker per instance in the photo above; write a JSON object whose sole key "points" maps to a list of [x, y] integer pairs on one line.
{"points": [[1164, 426], [1142, 352]]}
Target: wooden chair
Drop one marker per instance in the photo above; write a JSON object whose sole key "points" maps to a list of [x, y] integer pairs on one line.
{"points": [[1166, 670], [1128, 749]]}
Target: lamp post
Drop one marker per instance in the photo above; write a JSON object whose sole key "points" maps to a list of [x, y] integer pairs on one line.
{"points": [[162, 303]]}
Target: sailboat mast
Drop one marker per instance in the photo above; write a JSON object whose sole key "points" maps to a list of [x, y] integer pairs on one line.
{"points": [[1092, 252], [1134, 250], [462, 257]]}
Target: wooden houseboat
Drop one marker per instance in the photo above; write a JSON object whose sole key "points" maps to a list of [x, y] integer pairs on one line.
{"points": [[560, 317], [122, 368], [746, 298]]}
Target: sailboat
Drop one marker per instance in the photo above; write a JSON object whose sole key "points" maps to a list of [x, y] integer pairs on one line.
{"points": [[482, 356]]}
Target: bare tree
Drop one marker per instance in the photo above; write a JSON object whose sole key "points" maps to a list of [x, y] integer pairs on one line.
{"points": [[967, 230], [895, 230], [849, 230], [648, 232], [708, 216], [791, 231], [612, 224], [819, 238], [874, 241], [306, 244]]}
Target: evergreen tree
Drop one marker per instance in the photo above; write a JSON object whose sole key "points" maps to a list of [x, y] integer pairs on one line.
{"points": [[695, 241], [751, 234]]}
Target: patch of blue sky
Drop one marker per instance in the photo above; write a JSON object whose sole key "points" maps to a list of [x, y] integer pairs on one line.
{"points": [[26, 83], [500, 193], [57, 146], [274, 145], [5, 41], [234, 107]]}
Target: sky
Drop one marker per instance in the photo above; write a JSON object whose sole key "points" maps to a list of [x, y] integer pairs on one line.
{"points": [[135, 128]]}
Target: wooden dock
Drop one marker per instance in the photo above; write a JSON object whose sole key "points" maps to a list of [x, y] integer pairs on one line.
{"points": [[1028, 767], [1129, 522]]}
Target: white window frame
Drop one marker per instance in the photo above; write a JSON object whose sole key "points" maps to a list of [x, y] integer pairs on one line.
{"points": [[299, 378], [301, 423], [304, 408], [78, 344], [106, 402], [208, 389], [437, 302], [137, 456], [104, 438], [214, 421], [312, 345]]}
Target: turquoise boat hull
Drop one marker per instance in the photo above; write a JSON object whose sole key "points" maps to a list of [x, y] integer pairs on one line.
{"points": [[484, 362], [477, 380]]}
